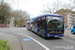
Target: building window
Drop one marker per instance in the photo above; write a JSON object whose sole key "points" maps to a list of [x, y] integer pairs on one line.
{"points": [[69, 23], [65, 16], [69, 17], [73, 16], [69, 20], [65, 19], [73, 23]]}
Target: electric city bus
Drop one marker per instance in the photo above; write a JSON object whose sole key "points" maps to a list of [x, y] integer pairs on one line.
{"points": [[48, 25]]}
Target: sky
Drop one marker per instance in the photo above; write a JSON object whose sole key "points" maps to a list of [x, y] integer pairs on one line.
{"points": [[33, 7]]}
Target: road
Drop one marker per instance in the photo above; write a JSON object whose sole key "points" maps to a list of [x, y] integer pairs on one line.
{"points": [[30, 40]]}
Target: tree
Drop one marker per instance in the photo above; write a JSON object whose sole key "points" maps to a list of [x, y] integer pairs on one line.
{"points": [[57, 5], [52, 8], [19, 17], [68, 8], [5, 11]]}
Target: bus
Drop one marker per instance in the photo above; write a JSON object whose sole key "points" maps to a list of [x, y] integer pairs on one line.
{"points": [[48, 25]]}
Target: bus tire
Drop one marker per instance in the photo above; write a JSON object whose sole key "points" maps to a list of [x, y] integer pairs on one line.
{"points": [[38, 33], [31, 29], [43, 35]]}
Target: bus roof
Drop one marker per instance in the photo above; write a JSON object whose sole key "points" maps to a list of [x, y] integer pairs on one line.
{"points": [[57, 15], [34, 19], [49, 15]]}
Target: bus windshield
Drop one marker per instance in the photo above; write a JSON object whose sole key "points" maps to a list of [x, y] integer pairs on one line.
{"points": [[55, 23]]}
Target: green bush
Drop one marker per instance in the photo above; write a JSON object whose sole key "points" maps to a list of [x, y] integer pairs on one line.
{"points": [[23, 25], [4, 45]]}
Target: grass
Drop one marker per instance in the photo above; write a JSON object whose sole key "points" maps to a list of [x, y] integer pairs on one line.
{"points": [[4, 45]]}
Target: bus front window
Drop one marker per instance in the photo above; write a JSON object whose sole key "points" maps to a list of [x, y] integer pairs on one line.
{"points": [[55, 23]]}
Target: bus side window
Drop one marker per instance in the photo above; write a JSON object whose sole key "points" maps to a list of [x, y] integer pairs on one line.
{"points": [[36, 24], [41, 24], [33, 24]]}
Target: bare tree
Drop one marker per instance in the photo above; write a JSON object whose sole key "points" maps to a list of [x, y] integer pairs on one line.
{"points": [[19, 17], [69, 6], [5, 11], [16, 2], [55, 6]]}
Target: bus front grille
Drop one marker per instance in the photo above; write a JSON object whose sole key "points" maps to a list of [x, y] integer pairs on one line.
{"points": [[55, 32]]}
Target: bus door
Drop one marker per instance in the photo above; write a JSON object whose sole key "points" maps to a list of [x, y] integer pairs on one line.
{"points": [[42, 26]]}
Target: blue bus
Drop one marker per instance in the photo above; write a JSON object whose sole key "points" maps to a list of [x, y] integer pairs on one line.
{"points": [[48, 25]]}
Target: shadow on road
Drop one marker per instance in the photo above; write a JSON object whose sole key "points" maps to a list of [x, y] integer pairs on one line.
{"points": [[48, 38], [52, 38]]}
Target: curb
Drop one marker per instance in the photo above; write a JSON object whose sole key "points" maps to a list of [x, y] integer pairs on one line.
{"points": [[13, 41], [70, 36]]}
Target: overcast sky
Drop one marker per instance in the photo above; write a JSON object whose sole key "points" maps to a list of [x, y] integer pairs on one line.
{"points": [[33, 7]]}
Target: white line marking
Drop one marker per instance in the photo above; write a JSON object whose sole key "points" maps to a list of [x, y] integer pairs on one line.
{"points": [[36, 41]]}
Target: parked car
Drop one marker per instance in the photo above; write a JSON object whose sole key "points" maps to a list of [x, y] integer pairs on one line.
{"points": [[73, 30]]}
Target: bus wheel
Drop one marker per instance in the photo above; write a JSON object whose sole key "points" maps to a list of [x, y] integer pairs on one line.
{"points": [[38, 33], [31, 29]]}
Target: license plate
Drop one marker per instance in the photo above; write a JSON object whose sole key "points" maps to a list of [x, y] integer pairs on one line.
{"points": [[56, 36]]}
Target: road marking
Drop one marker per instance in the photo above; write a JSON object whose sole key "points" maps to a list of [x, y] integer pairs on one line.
{"points": [[46, 48], [27, 39]]}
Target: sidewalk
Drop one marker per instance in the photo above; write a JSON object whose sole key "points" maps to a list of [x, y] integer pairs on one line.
{"points": [[12, 40], [68, 34]]}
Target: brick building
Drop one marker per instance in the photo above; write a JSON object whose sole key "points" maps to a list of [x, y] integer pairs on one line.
{"points": [[73, 18], [69, 19], [69, 16]]}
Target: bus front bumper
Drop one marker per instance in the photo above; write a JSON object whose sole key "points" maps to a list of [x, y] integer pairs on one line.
{"points": [[61, 35]]}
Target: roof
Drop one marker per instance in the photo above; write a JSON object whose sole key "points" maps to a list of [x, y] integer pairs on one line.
{"points": [[48, 14], [34, 19], [37, 17]]}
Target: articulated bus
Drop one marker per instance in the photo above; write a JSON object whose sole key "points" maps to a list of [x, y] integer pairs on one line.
{"points": [[48, 25]]}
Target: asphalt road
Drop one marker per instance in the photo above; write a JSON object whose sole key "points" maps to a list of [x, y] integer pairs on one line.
{"points": [[31, 41]]}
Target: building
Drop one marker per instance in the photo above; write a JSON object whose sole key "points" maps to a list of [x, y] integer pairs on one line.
{"points": [[69, 16], [73, 18], [69, 19]]}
